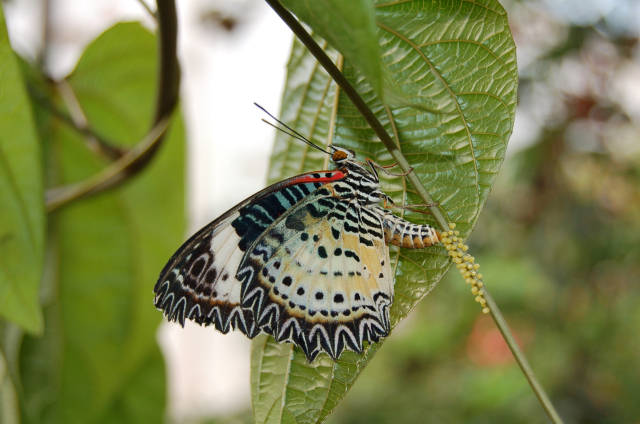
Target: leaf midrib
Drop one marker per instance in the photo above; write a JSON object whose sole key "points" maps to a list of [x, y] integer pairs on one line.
{"points": [[447, 87]]}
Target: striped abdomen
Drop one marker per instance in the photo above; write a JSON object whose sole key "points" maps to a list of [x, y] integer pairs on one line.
{"points": [[403, 233]]}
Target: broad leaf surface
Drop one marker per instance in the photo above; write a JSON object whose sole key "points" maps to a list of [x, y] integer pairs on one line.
{"points": [[98, 360], [350, 27], [22, 220], [455, 62]]}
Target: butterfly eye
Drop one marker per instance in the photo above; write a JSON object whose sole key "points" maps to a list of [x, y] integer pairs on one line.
{"points": [[339, 155]]}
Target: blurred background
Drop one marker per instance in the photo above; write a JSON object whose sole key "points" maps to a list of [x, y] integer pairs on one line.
{"points": [[558, 241]]}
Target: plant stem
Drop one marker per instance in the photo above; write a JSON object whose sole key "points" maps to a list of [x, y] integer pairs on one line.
{"points": [[147, 8], [502, 325], [140, 156], [78, 120], [397, 155], [60, 196], [95, 141]]}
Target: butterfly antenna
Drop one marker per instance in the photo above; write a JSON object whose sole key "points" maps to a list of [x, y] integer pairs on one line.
{"points": [[291, 132], [285, 131]]}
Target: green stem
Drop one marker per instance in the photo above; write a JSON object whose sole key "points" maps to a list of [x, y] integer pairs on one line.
{"points": [[116, 171], [10, 385], [397, 155], [501, 323], [95, 141], [140, 156], [78, 121], [148, 9]]}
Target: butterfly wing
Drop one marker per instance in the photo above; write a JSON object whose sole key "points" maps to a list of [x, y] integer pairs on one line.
{"points": [[320, 276], [199, 281]]}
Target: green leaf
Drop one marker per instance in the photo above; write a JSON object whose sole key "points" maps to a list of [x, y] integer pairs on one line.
{"points": [[456, 63], [22, 220], [350, 27], [111, 100], [98, 360]]}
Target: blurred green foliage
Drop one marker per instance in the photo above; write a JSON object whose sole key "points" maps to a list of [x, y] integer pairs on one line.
{"points": [[97, 359]]}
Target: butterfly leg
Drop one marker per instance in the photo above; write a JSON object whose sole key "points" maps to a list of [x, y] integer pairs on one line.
{"points": [[385, 168], [388, 203], [413, 208]]}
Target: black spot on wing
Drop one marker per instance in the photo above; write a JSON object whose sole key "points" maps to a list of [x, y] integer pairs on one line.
{"points": [[365, 241]]}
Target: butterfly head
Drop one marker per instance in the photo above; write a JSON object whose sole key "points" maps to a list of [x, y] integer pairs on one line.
{"points": [[341, 155], [345, 160]]}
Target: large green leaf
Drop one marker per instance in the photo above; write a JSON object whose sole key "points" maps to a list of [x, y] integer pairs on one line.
{"points": [[456, 64], [22, 221], [350, 27], [98, 360]]}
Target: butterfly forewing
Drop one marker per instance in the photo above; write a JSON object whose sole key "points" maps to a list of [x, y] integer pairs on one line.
{"points": [[199, 282]]}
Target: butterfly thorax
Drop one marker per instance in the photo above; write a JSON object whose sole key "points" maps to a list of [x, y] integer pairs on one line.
{"points": [[364, 186], [359, 184]]}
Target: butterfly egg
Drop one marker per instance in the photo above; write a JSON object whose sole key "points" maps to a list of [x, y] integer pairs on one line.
{"points": [[465, 263]]}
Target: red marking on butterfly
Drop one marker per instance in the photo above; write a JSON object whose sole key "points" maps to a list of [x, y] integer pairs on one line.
{"points": [[309, 178]]}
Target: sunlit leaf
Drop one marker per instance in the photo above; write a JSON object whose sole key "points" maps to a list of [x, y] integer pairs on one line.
{"points": [[350, 27], [22, 221], [103, 361], [455, 68]]}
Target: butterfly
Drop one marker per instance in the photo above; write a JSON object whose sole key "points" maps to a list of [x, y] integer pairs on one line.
{"points": [[305, 260]]}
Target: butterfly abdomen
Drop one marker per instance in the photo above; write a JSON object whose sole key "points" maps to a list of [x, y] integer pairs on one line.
{"points": [[403, 233]]}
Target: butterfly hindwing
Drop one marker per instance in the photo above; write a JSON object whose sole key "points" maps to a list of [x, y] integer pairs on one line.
{"points": [[199, 281], [320, 276]]}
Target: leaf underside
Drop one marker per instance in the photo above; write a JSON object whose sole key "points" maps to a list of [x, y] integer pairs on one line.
{"points": [[450, 79]]}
